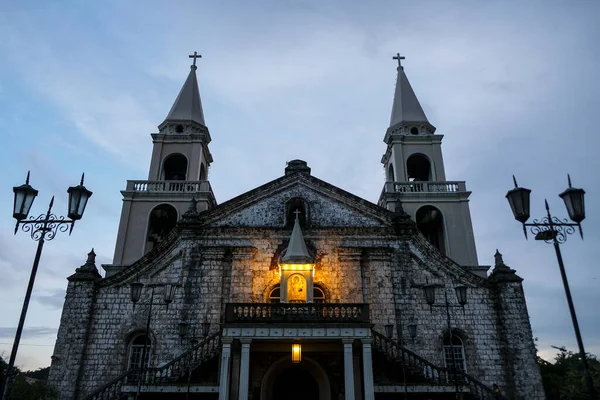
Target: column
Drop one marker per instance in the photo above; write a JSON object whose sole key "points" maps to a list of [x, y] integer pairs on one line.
{"points": [[244, 369], [348, 369], [369, 390], [224, 377]]}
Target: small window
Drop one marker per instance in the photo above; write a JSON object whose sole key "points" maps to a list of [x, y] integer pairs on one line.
{"points": [[163, 219], [175, 168], [414, 130], [318, 295], [454, 351], [136, 351], [179, 129], [296, 205], [418, 168], [275, 295]]}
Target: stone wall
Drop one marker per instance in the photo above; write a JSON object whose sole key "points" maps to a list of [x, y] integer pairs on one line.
{"points": [[220, 264]]}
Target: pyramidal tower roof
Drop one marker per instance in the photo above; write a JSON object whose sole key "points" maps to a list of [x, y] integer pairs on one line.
{"points": [[297, 253], [406, 107], [187, 106]]}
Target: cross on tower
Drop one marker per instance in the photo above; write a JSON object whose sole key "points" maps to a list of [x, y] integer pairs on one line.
{"points": [[297, 213], [195, 56], [396, 57]]}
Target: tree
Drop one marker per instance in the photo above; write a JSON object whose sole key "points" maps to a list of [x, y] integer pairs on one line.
{"points": [[22, 389], [564, 379]]}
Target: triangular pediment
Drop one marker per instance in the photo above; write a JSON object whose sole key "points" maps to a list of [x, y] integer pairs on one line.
{"points": [[328, 206]]}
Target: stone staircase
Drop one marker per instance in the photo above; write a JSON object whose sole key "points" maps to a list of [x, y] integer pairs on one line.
{"points": [[168, 373], [423, 371]]}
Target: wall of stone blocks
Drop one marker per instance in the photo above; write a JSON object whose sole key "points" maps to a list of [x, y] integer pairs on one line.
{"points": [[230, 264]]}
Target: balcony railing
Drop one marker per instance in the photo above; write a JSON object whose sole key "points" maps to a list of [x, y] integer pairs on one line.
{"points": [[169, 186], [297, 312], [425, 187]]}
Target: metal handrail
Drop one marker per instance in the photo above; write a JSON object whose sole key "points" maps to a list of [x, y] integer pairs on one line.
{"points": [[171, 371], [430, 371]]}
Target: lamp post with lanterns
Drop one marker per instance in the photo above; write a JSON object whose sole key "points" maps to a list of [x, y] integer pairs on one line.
{"points": [[461, 297], [553, 230], [41, 228], [136, 294]]}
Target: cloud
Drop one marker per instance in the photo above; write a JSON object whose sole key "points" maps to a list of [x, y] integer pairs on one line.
{"points": [[55, 299], [33, 332]]}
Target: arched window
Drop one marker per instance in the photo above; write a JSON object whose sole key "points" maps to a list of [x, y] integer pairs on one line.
{"points": [[430, 223], [136, 350], [318, 295], [454, 351], [275, 295], [391, 176], [175, 168], [163, 219], [418, 168]]}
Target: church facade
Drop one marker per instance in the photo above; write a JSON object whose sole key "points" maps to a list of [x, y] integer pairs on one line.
{"points": [[297, 288]]}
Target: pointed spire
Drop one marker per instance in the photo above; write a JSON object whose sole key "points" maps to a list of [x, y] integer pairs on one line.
{"points": [[297, 252], [188, 106], [406, 108]]}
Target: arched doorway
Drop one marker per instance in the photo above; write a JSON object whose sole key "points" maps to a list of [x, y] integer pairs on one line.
{"points": [[295, 383], [285, 380]]}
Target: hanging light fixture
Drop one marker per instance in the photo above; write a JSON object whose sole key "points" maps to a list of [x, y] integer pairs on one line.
{"points": [[296, 353], [136, 291]]}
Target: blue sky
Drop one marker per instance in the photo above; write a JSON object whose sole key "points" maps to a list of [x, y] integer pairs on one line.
{"points": [[512, 85]]}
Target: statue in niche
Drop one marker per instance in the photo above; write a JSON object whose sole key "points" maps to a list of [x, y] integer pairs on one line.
{"points": [[296, 289]]}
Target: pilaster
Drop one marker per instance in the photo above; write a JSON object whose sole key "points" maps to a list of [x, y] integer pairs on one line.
{"points": [[67, 359], [348, 369], [244, 369], [225, 365], [350, 274], [241, 274], [368, 389]]}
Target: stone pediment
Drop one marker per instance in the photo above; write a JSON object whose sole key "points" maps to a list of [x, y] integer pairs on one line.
{"points": [[328, 206]]}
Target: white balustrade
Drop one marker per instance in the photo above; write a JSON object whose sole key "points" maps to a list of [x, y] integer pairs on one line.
{"points": [[169, 186], [428, 187]]}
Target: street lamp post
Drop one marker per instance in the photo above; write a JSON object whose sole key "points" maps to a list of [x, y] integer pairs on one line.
{"points": [[136, 293], [41, 228], [461, 296], [554, 230]]}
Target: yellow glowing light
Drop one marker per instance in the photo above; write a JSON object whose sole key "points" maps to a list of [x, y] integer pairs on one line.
{"points": [[296, 353], [297, 267]]}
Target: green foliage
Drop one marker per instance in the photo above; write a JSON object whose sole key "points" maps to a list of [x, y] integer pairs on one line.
{"points": [[564, 379], [23, 389]]}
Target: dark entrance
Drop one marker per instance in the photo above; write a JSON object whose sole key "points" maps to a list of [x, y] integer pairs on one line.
{"points": [[295, 383]]}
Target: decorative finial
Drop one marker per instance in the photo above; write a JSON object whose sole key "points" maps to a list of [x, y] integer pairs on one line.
{"points": [[194, 56], [515, 181], [546, 203], [91, 258], [27, 179], [193, 205], [568, 178], [498, 261], [399, 58], [82, 177], [297, 213]]}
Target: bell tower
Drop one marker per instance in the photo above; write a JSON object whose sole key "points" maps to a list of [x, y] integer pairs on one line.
{"points": [[416, 178], [178, 173]]}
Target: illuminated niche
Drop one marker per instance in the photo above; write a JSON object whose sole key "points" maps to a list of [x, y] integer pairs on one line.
{"points": [[296, 269]]}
